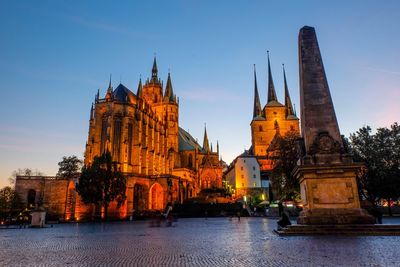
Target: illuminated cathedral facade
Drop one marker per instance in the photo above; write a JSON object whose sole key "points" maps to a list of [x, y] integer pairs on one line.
{"points": [[271, 122], [162, 162]]}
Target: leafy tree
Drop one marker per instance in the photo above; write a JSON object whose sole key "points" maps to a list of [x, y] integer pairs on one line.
{"points": [[9, 202], [69, 167], [101, 183], [380, 152], [284, 156]]}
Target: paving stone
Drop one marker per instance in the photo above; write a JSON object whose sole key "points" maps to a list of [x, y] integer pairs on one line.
{"points": [[191, 242]]}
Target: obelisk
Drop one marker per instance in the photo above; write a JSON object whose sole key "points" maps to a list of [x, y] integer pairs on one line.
{"points": [[326, 172]]}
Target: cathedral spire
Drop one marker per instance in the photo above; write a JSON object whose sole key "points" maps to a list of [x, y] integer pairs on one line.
{"points": [[257, 105], [109, 94], [206, 145], [288, 101], [140, 88], [154, 71], [110, 89], [217, 148], [271, 87], [169, 93], [91, 113]]}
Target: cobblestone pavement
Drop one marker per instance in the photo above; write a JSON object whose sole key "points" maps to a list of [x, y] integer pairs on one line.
{"points": [[190, 242]]}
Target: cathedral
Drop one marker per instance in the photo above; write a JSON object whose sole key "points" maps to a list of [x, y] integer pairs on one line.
{"points": [[271, 122], [161, 161], [248, 174]]}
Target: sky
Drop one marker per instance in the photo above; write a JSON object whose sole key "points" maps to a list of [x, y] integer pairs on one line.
{"points": [[54, 55]]}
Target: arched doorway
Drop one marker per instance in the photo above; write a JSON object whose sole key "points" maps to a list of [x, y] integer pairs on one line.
{"points": [[31, 198], [139, 197], [156, 197]]}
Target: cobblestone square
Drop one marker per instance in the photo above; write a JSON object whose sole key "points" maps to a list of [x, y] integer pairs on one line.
{"points": [[190, 242]]}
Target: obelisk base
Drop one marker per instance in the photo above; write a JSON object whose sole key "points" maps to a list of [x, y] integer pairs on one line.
{"points": [[330, 196]]}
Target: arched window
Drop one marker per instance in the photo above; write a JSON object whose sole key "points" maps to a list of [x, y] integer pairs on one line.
{"points": [[31, 197], [130, 139], [117, 139], [190, 161], [104, 125], [260, 128]]}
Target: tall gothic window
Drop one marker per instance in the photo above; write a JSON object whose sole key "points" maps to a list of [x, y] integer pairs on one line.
{"points": [[103, 135], [190, 163], [130, 138], [117, 139]]}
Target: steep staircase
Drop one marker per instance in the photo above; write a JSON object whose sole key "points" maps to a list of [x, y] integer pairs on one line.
{"points": [[357, 229]]}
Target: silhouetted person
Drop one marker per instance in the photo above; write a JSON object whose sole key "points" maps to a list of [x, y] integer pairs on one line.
{"points": [[238, 215], [280, 208], [376, 212], [284, 221]]}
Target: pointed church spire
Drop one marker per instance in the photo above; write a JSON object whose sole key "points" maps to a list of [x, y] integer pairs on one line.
{"points": [[169, 93], [271, 87], [109, 94], [217, 148], [140, 88], [206, 145], [109, 86], [257, 105], [91, 112], [154, 71], [288, 101]]}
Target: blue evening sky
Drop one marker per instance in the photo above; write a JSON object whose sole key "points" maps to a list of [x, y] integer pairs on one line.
{"points": [[54, 55]]}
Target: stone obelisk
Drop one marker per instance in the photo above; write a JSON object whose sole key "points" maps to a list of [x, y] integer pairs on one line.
{"points": [[326, 172]]}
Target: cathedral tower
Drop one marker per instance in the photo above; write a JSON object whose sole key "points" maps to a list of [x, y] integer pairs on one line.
{"points": [[274, 119]]}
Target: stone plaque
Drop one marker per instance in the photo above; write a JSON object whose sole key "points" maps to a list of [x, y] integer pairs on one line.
{"points": [[333, 193]]}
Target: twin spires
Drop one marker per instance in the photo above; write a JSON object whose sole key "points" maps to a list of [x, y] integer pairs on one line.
{"points": [[257, 111]]}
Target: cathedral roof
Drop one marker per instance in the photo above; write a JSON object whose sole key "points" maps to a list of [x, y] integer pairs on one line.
{"points": [[292, 117], [187, 142], [123, 94], [274, 103]]}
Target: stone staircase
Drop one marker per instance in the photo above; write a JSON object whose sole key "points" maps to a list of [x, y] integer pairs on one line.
{"points": [[343, 230]]}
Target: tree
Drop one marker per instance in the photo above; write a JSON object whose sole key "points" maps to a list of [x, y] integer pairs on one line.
{"points": [[101, 183], [380, 152], [69, 167], [284, 156], [9, 202]]}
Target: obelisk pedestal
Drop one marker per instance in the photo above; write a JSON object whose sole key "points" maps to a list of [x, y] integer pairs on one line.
{"points": [[327, 174]]}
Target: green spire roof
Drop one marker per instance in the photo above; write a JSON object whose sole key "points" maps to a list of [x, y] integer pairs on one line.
{"points": [[257, 106], [206, 145], [288, 101], [271, 87], [140, 88], [169, 92]]}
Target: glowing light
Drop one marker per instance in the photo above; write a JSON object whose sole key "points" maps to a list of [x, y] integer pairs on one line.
{"points": [[263, 197], [245, 198]]}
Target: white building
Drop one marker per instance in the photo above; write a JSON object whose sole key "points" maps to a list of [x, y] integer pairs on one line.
{"points": [[243, 176]]}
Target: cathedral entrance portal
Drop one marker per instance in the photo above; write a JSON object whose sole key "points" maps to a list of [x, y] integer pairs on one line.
{"points": [[156, 197]]}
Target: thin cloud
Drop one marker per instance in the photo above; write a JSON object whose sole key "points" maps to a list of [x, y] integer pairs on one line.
{"points": [[106, 26], [384, 71], [208, 95]]}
